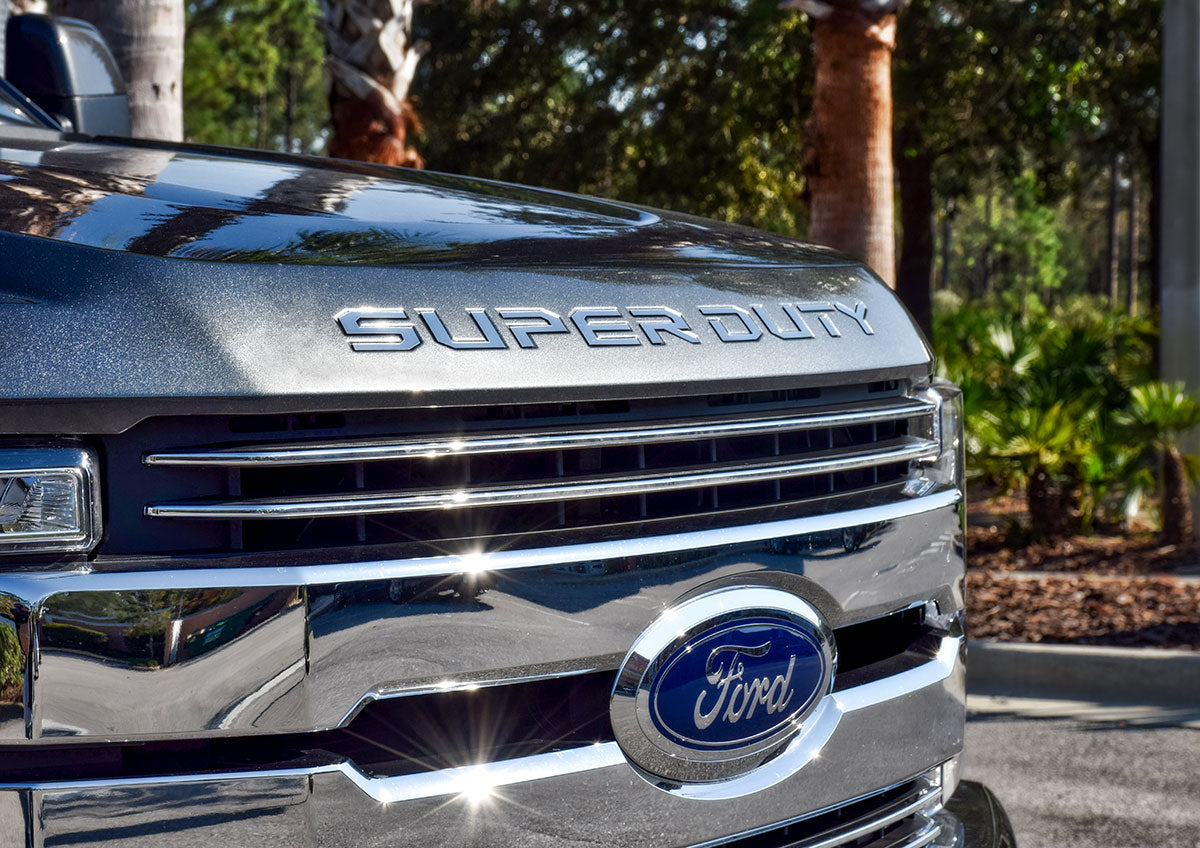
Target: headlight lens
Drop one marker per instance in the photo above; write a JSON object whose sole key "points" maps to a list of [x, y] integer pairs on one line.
{"points": [[948, 470], [48, 500]]}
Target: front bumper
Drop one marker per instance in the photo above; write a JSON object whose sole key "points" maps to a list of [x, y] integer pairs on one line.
{"points": [[322, 810], [294, 650]]}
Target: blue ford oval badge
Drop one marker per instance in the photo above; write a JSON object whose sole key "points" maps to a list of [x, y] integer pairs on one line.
{"points": [[720, 683]]}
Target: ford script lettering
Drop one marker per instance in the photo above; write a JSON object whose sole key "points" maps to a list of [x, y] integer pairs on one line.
{"points": [[479, 328], [737, 683], [721, 683], [739, 696]]}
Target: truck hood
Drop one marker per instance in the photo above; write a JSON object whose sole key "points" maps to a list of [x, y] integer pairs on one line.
{"points": [[146, 279], [222, 205]]}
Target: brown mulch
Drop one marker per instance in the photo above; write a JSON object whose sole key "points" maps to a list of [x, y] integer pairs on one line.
{"points": [[1161, 612], [1109, 588], [1127, 556]]}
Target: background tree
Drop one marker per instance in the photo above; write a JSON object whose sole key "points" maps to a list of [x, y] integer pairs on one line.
{"points": [[1159, 414], [146, 38], [372, 58], [848, 158], [692, 105], [253, 74]]}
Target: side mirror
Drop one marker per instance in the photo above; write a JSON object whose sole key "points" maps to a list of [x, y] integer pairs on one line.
{"points": [[64, 66]]}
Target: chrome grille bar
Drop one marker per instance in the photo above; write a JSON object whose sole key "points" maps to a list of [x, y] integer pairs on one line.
{"points": [[827, 462], [926, 800], [890, 409]]}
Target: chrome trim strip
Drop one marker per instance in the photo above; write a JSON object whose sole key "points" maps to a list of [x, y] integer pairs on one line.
{"points": [[920, 839], [330, 454], [922, 801], [486, 776], [908, 449], [927, 792], [40, 584], [887, 688]]}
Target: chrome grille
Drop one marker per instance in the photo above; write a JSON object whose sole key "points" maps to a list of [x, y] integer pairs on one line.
{"points": [[621, 468], [904, 816]]}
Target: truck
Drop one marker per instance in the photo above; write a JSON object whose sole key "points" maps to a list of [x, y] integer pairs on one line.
{"points": [[345, 505]]}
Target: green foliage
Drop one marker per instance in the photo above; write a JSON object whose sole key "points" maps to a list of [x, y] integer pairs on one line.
{"points": [[12, 662], [692, 105], [1157, 414], [252, 75], [1052, 392]]}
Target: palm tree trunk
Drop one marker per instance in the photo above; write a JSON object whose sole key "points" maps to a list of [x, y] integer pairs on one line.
{"points": [[849, 158], [1047, 518], [372, 60], [146, 39], [1177, 500]]}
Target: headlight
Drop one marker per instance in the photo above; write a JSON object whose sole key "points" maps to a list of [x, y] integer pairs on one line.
{"points": [[49, 500], [947, 470]]}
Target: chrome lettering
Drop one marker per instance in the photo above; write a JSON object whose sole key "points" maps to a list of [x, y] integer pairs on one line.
{"points": [[750, 331], [379, 322], [491, 336], [739, 697], [583, 318], [800, 331], [657, 320], [524, 332], [600, 326], [858, 312]]}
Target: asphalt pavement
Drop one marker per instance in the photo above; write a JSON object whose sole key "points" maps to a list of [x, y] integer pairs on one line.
{"points": [[1077, 775]]}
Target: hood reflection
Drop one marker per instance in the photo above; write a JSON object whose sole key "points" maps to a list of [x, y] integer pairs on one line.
{"points": [[168, 200]]}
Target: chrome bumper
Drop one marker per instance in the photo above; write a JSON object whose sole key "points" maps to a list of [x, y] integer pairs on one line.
{"points": [[249, 651]]}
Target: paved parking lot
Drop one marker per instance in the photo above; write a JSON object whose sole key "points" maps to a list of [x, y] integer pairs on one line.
{"points": [[1091, 777]]}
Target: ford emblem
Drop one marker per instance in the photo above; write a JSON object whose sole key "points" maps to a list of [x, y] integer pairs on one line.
{"points": [[720, 683]]}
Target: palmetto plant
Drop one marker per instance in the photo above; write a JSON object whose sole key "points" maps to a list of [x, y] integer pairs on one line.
{"points": [[1158, 414], [1043, 452]]}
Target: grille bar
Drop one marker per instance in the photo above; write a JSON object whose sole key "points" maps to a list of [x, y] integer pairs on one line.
{"points": [[330, 454], [878, 820], [905, 449]]}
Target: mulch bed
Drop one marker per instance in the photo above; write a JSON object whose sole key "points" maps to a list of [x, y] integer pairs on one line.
{"points": [[1104, 589], [1136, 611], [1100, 554]]}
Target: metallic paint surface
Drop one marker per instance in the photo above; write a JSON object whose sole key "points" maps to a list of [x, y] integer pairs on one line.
{"points": [[106, 325]]}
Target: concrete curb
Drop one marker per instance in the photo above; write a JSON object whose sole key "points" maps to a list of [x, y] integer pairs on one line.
{"points": [[1084, 672]]}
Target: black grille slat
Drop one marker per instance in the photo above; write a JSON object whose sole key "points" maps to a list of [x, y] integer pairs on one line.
{"points": [[629, 507]]}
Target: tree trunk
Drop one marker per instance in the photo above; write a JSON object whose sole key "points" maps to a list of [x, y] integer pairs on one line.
{"points": [[5, 9], [260, 133], [1047, 518], [914, 282], [947, 245], [849, 159], [1131, 294], [986, 263], [289, 102], [1177, 500], [372, 60], [146, 38], [1113, 267], [1152, 149]]}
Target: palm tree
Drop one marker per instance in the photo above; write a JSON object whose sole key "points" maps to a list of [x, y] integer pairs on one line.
{"points": [[1040, 450], [372, 59], [1159, 413], [146, 39], [848, 163]]}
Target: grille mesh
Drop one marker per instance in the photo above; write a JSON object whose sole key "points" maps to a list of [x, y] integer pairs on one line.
{"points": [[450, 476]]}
